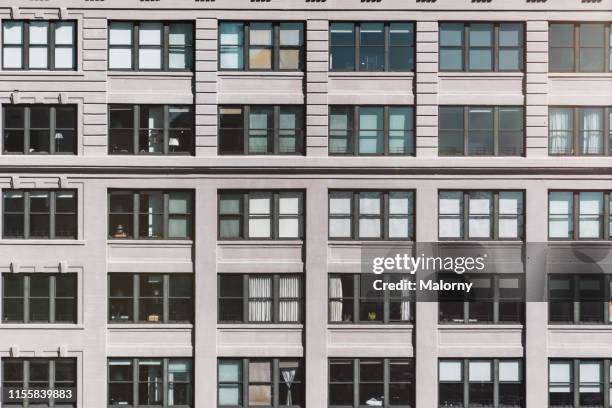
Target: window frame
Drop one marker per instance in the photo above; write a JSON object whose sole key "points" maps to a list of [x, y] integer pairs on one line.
{"points": [[276, 130], [495, 381], [354, 129], [494, 216], [604, 222], [135, 193], [576, 130], [384, 215], [575, 301], [276, 379], [136, 298], [164, 46], [274, 214], [495, 299], [51, 45], [52, 128], [136, 128], [607, 46], [495, 46], [574, 380], [275, 298], [275, 47], [52, 298], [387, 45], [496, 130], [135, 381], [52, 213], [356, 298], [356, 380]]}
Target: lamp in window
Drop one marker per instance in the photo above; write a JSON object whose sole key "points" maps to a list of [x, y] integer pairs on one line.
{"points": [[120, 232], [173, 142], [58, 137]]}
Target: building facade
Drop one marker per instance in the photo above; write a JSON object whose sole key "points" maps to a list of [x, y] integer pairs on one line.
{"points": [[189, 189]]}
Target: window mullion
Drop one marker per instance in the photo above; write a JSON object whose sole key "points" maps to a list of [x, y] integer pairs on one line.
{"points": [[165, 390], [576, 215], [245, 128], [576, 48], [357, 46], [356, 125], [52, 126], [385, 216], [245, 215], [52, 291], [52, 208], [245, 298], [135, 381], [495, 217], [466, 49], [165, 48], [274, 215], [466, 383], [275, 381], [276, 132], [576, 297], [247, 46], [276, 47], [606, 383], [26, 46], [26, 298], [576, 382], [387, 32], [496, 131], [135, 46], [495, 55], [136, 129], [466, 130], [356, 299], [26, 214], [495, 362], [166, 125], [275, 298], [356, 382], [136, 297], [355, 217], [51, 46], [135, 215], [166, 215], [386, 125], [166, 298], [26, 129], [466, 215], [386, 380]]}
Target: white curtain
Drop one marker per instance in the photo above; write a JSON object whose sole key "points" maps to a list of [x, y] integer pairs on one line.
{"points": [[335, 306], [260, 299], [288, 376], [560, 131], [289, 293], [405, 306], [592, 131]]}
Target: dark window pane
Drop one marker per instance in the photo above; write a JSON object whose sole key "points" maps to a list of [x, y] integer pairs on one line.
{"points": [[451, 395], [12, 285], [231, 285], [342, 47], [151, 285], [481, 394], [341, 394], [14, 117], [181, 286], [121, 124], [12, 310], [231, 130], [511, 395], [39, 286]]}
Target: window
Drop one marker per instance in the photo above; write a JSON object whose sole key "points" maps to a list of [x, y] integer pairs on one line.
{"points": [[353, 299], [261, 215], [270, 382], [371, 130], [371, 382], [582, 298], [39, 298], [23, 375], [261, 129], [366, 215], [481, 383], [481, 46], [150, 46], [37, 214], [578, 382], [579, 215], [39, 129], [145, 382], [150, 129], [580, 131], [150, 214], [150, 298], [579, 47], [261, 46], [492, 299], [39, 44], [481, 131], [480, 215], [260, 298], [371, 46]]}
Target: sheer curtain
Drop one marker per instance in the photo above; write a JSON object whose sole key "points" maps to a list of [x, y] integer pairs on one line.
{"points": [[335, 305], [289, 293], [260, 299], [560, 131], [592, 131]]}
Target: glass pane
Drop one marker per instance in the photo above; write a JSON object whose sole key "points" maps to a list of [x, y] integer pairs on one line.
{"points": [[120, 34], [480, 371], [260, 34], [480, 137], [64, 33], [372, 41], [342, 51], [340, 203], [481, 35], [64, 57], [12, 32], [231, 130], [509, 371], [38, 33], [591, 120], [451, 371], [38, 57], [291, 34], [150, 34], [230, 371], [231, 33], [179, 203], [451, 213], [561, 35], [591, 212], [510, 35], [371, 130], [149, 58], [180, 34], [510, 59]]}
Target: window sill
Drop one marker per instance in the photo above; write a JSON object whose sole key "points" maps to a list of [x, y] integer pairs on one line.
{"points": [[40, 326], [281, 74], [13, 241], [41, 72], [152, 241], [148, 326], [120, 73], [259, 326], [370, 326], [373, 242], [371, 74], [486, 74], [578, 327], [606, 75], [254, 242], [479, 326]]}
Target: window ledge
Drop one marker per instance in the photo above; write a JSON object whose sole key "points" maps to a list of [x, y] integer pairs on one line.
{"points": [[37, 72], [471, 74], [607, 327], [153, 242], [482, 243], [481, 326], [149, 326], [281, 74], [40, 326], [370, 326], [12, 241], [379, 242], [262, 326], [265, 242], [186, 74], [583, 75], [370, 74]]}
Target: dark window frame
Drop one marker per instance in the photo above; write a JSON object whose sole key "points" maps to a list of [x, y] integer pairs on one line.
{"points": [[605, 233], [495, 46], [53, 213], [136, 128], [574, 381], [276, 380], [52, 128], [164, 46], [135, 382], [136, 298], [387, 45], [576, 47], [356, 297], [575, 299], [275, 47], [166, 215], [354, 128], [384, 215], [52, 298], [494, 216], [355, 382], [495, 299], [274, 298], [273, 138], [275, 216], [51, 46], [496, 130], [465, 381], [577, 130]]}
